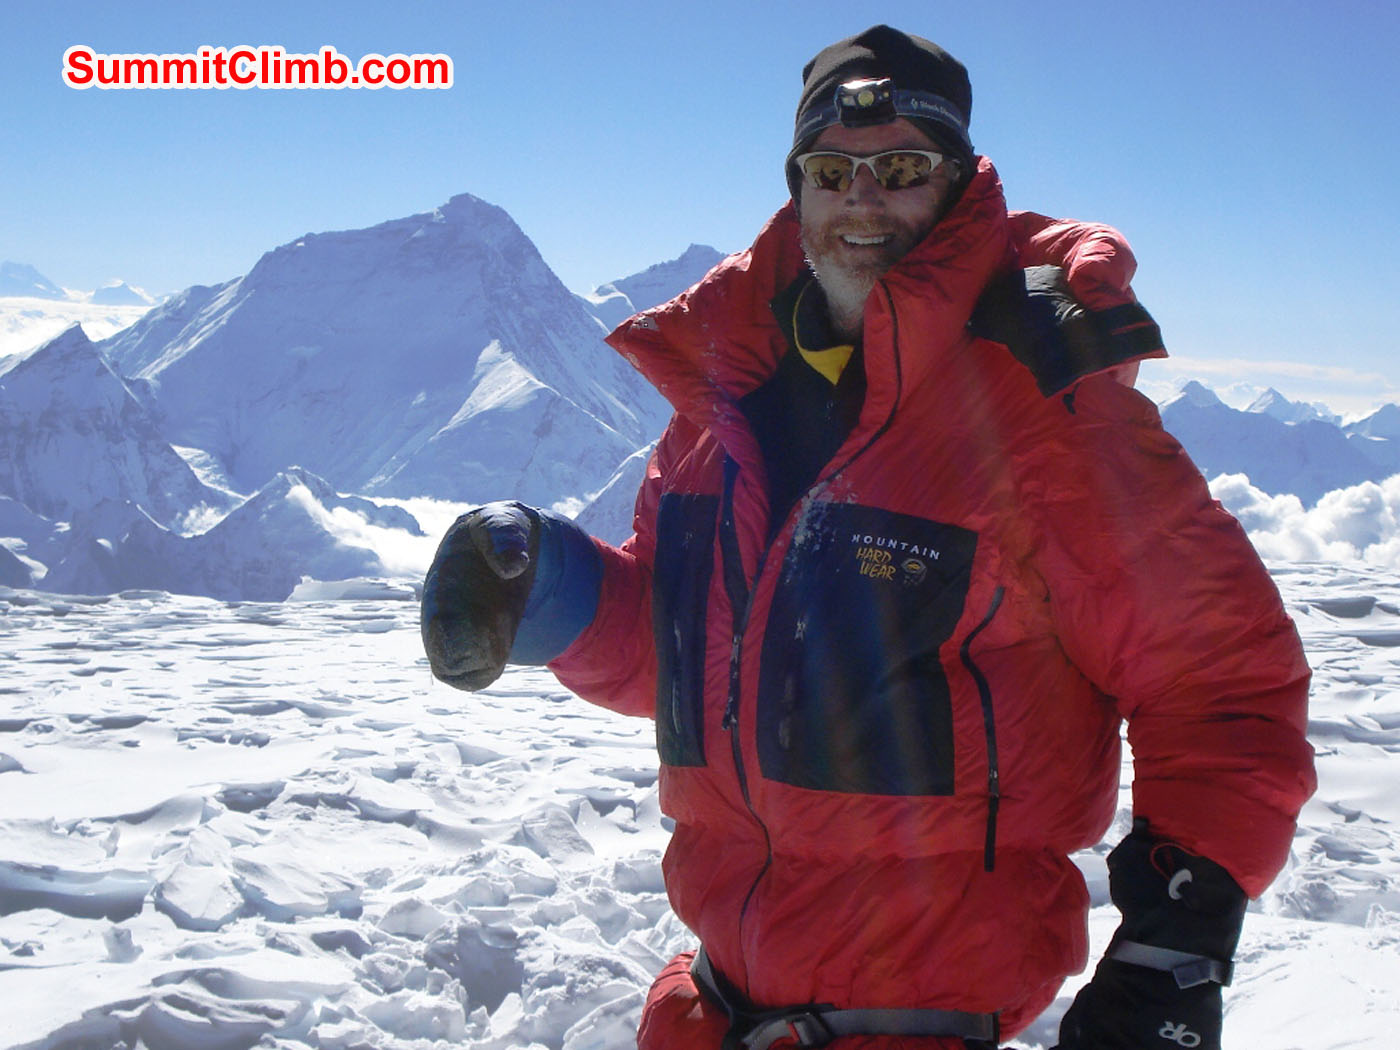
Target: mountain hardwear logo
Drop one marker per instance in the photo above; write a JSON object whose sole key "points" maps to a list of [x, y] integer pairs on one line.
{"points": [[877, 558], [901, 546], [875, 563]]}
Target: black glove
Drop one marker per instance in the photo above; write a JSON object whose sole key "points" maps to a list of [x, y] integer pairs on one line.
{"points": [[1159, 983], [475, 593]]}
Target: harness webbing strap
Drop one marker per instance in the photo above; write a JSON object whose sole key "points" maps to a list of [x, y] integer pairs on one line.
{"points": [[1189, 970], [815, 1026]]}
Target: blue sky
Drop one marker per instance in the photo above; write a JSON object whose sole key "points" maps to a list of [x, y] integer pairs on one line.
{"points": [[1248, 150]]}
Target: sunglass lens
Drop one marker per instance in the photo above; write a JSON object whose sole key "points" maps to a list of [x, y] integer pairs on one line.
{"points": [[829, 172], [899, 171]]}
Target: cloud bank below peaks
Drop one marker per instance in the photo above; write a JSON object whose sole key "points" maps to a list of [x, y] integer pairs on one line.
{"points": [[1357, 523]]}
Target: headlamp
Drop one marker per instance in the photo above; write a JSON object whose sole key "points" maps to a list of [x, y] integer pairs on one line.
{"points": [[860, 103]]}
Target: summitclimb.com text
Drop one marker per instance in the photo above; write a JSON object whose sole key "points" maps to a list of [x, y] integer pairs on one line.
{"points": [[268, 67]]}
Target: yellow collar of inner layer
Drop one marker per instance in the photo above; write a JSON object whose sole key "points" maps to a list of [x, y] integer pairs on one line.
{"points": [[832, 360]]}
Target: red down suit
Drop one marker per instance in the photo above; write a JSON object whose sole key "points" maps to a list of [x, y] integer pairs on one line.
{"points": [[927, 666]]}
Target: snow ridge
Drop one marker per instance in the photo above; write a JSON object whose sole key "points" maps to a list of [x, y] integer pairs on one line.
{"points": [[75, 434], [618, 300]]}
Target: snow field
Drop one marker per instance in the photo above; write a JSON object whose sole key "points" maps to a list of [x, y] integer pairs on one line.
{"points": [[226, 825], [229, 823]]}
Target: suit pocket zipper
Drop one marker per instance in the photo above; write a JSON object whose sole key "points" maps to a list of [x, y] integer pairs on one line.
{"points": [[989, 728]]}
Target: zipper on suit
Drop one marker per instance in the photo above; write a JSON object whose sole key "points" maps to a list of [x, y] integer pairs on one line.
{"points": [[989, 728], [736, 586], [741, 603]]}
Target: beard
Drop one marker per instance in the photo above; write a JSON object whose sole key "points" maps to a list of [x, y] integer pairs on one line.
{"points": [[847, 273]]}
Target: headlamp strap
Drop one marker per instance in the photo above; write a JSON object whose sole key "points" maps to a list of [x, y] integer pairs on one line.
{"points": [[860, 103]]}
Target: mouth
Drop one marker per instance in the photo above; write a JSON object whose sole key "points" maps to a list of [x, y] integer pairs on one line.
{"points": [[867, 240]]}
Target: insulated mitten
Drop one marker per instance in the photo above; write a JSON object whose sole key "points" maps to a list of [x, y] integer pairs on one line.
{"points": [[509, 583], [1159, 982], [475, 593]]}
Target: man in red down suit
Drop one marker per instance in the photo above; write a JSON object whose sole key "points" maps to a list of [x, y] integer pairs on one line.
{"points": [[906, 556]]}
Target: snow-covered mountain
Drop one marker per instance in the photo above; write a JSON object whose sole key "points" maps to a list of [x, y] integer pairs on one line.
{"points": [[1383, 424], [119, 293], [74, 434], [433, 355], [259, 552], [609, 514], [618, 300], [1272, 403], [21, 279], [1307, 458]]}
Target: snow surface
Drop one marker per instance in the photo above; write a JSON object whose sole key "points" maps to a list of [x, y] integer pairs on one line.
{"points": [[237, 824]]}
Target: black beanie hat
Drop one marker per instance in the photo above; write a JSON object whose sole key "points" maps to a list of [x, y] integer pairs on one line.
{"points": [[931, 87]]}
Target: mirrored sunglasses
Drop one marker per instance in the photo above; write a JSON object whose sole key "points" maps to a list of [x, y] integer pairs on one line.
{"points": [[895, 169]]}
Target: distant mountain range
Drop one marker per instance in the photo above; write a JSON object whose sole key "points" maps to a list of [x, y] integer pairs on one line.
{"points": [[22, 281], [435, 355], [33, 309], [1284, 446], [220, 444]]}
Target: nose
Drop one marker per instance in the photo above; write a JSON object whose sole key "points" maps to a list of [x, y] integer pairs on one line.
{"points": [[864, 188]]}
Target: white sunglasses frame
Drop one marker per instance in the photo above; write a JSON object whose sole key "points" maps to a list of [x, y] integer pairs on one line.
{"points": [[868, 161]]}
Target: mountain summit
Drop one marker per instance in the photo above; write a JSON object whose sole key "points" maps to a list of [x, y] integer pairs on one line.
{"points": [[432, 355], [21, 279], [74, 434]]}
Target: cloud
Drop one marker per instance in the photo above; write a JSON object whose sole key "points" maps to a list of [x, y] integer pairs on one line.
{"points": [[403, 555], [1359, 523]]}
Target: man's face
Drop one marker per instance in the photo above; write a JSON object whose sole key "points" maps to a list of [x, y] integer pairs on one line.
{"points": [[853, 236]]}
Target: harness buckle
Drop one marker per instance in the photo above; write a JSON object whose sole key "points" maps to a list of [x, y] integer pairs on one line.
{"points": [[810, 1030]]}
